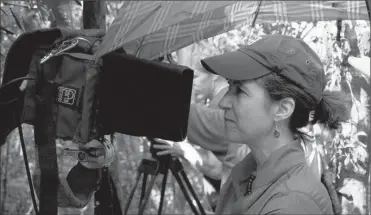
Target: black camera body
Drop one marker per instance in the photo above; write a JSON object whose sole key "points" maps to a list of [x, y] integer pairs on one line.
{"points": [[117, 93]]}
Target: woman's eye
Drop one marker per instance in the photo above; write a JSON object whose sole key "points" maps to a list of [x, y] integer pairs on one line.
{"points": [[236, 89], [240, 91]]}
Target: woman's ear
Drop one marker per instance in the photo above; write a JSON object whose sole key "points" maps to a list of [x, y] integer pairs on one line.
{"points": [[284, 109]]}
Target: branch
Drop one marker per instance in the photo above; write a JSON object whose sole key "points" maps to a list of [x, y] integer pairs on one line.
{"points": [[18, 5], [338, 33], [78, 2], [16, 20], [4, 11], [308, 31], [6, 30]]}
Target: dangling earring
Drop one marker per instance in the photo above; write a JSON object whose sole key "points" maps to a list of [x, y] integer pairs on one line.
{"points": [[276, 133]]}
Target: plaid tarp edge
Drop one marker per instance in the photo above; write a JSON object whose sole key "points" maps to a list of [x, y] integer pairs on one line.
{"points": [[207, 23]]}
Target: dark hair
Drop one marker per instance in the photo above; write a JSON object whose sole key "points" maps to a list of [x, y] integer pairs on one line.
{"points": [[331, 111]]}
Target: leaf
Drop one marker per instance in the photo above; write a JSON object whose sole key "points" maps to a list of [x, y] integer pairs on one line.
{"points": [[360, 133], [360, 137], [348, 197], [346, 161], [349, 145], [16, 20], [360, 153], [364, 41], [354, 111], [363, 97]]}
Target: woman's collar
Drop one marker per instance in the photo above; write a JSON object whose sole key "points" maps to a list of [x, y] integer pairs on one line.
{"points": [[280, 162]]}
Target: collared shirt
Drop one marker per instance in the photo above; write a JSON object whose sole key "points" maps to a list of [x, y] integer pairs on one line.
{"points": [[236, 153], [284, 184]]}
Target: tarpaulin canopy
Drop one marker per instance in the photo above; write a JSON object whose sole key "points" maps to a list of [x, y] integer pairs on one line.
{"points": [[150, 29]]}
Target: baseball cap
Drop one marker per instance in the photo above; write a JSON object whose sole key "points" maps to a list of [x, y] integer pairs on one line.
{"points": [[284, 55]]}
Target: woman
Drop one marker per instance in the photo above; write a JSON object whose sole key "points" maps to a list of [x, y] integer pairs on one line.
{"points": [[276, 84]]}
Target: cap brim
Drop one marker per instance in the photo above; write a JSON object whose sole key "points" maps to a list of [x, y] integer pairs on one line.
{"points": [[235, 66]]}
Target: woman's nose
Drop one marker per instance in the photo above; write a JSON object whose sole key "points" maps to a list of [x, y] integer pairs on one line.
{"points": [[225, 102]]}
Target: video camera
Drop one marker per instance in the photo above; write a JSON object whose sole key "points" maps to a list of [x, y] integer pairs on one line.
{"points": [[71, 95], [128, 95]]}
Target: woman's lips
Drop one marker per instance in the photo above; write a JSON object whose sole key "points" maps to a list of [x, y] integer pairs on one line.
{"points": [[227, 120]]}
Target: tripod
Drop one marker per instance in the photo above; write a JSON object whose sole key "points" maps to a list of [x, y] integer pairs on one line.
{"points": [[161, 165]]}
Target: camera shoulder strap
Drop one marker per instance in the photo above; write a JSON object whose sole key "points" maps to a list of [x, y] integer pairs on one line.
{"points": [[45, 135]]}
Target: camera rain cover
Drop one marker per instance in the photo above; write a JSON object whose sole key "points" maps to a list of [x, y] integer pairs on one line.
{"points": [[144, 98]]}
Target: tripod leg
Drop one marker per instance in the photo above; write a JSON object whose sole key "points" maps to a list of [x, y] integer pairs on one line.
{"points": [[144, 183], [193, 193], [146, 196], [127, 205], [163, 191], [185, 193]]}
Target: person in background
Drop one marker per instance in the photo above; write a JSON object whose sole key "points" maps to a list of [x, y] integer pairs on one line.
{"points": [[214, 159], [206, 128]]}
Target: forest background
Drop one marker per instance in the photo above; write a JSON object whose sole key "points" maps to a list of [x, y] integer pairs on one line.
{"points": [[345, 152]]}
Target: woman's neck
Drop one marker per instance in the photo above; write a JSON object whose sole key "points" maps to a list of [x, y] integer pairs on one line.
{"points": [[263, 149]]}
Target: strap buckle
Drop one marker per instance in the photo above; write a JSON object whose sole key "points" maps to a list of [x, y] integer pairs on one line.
{"points": [[63, 47]]}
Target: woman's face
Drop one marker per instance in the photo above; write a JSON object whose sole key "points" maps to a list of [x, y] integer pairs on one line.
{"points": [[248, 112]]}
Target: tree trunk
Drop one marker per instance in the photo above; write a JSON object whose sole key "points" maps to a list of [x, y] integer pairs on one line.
{"points": [[369, 131], [369, 176], [93, 14], [368, 191]]}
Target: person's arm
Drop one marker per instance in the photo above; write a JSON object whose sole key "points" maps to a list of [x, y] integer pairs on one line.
{"points": [[211, 165], [206, 128], [293, 203], [201, 159]]}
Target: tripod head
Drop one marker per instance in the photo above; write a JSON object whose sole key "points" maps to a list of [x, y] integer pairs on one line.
{"points": [[162, 164], [164, 159]]}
